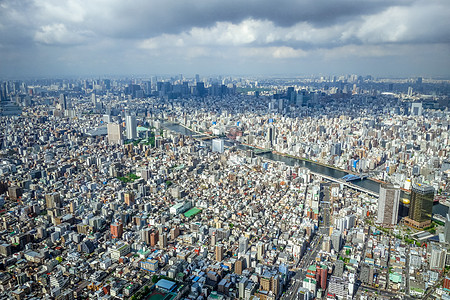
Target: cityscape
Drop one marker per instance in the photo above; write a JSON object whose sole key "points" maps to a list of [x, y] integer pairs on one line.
{"points": [[224, 150], [225, 188]]}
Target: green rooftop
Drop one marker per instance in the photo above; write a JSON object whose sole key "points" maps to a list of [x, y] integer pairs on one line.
{"points": [[395, 277], [192, 212], [312, 268]]}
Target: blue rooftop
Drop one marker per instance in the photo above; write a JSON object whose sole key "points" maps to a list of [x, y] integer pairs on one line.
{"points": [[165, 284]]}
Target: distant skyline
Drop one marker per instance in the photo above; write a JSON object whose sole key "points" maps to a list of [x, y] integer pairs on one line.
{"points": [[44, 38]]}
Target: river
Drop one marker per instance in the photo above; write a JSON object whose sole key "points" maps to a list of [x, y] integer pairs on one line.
{"points": [[314, 167]]}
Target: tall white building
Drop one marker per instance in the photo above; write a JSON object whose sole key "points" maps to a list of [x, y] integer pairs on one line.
{"points": [[131, 127], [217, 145], [438, 257], [114, 133], [446, 228], [388, 204]]}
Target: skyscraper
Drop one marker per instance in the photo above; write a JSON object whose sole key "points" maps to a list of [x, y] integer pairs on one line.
{"points": [[421, 206], [114, 133], [271, 135], [131, 127], [63, 102], [388, 204]]}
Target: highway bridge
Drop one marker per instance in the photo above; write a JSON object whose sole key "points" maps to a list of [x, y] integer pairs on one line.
{"points": [[349, 184]]}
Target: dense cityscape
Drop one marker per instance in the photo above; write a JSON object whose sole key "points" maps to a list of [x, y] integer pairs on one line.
{"points": [[225, 187]]}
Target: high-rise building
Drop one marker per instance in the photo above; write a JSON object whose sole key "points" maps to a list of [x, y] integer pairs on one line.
{"points": [[336, 149], [238, 266], [438, 258], [163, 241], [63, 102], [94, 99], [321, 276], [388, 204], [129, 198], [447, 229], [131, 127], [446, 284], [145, 235], [271, 135], [421, 206], [117, 230], [219, 252], [243, 245], [53, 200], [336, 240], [416, 109], [260, 251], [114, 133], [154, 238], [217, 145]]}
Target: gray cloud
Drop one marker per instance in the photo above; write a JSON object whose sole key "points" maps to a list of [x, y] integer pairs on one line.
{"points": [[96, 36]]}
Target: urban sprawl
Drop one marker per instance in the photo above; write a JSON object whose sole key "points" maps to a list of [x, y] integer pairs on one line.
{"points": [[225, 188]]}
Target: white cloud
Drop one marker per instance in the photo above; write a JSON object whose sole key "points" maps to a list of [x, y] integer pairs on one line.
{"points": [[58, 34]]}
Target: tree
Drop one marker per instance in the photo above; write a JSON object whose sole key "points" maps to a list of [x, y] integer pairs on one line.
{"points": [[154, 278]]}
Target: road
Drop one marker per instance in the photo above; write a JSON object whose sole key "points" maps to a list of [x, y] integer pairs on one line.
{"points": [[306, 261], [407, 270], [433, 289], [380, 292]]}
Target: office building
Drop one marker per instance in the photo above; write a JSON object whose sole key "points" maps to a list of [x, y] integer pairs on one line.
{"points": [[388, 203], [421, 206], [243, 245], [115, 133], [217, 145], [130, 122], [336, 240]]}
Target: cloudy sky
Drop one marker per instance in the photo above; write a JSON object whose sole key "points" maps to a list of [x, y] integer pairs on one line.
{"points": [[237, 37]]}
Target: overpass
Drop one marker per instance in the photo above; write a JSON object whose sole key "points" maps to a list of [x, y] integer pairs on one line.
{"points": [[348, 184]]}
